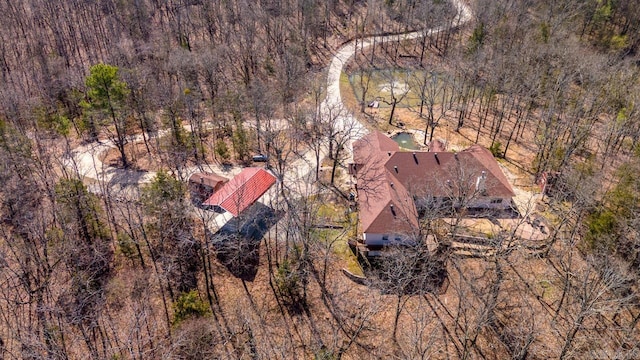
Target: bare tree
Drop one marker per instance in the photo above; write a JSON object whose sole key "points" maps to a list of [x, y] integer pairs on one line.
{"points": [[398, 88], [436, 94], [343, 128], [601, 287]]}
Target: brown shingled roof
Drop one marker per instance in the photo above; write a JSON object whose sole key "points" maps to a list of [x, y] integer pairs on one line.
{"points": [[386, 206], [441, 174], [208, 179], [483, 156], [372, 144], [387, 176]]}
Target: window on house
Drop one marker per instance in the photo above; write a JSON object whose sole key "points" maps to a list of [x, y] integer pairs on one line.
{"points": [[496, 201], [397, 239], [385, 237]]}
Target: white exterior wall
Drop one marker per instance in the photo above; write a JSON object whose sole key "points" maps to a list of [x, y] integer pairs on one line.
{"points": [[374, 239]]}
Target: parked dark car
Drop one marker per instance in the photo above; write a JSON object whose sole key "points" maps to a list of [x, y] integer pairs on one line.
{"points": [[260, 158]]}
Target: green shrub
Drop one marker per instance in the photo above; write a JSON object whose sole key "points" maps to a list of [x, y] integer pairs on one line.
{"points": [[241, 143], [496, 149], [288, 282], [325, 354], [601, 225], [189, 305], [477, 38], [222, 151], [126, 245]]}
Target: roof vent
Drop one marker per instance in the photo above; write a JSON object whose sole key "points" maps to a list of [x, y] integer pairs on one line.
{"points": [[391, 184], [455, 155], [393, 211], [437, 159], [389, 153], [395, 168], [415, 158]]}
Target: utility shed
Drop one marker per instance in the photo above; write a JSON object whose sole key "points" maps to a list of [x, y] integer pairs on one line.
{"points": [[242, 191], [202, 185]]}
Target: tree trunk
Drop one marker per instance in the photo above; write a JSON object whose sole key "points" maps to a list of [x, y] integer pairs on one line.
{"points": [[393, 110], [397, 318], [120, 135], [335, 164]]}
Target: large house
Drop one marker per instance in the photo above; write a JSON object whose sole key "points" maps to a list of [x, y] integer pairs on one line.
{"points": [[397, 188]]}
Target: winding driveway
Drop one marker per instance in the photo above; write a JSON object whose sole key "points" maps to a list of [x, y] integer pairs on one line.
{"points": [[347, 121], [85, 160]]}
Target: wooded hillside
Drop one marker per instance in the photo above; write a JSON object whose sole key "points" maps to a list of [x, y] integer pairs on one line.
{"points": [[107, 107]]}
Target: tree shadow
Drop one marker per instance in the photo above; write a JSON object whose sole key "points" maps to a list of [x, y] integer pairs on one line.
{"points": [[237, 243], [407, 270], [126, 177], [510, 212]]}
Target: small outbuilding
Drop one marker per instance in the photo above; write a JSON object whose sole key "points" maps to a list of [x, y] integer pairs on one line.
{"points": [[203, 184], [242, 191]]}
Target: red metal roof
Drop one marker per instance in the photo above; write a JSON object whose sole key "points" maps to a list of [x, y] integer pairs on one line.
{"points": [[242, 191]]}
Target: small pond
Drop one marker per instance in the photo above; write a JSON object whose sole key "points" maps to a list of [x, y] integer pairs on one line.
{"points": [[405, 140]]}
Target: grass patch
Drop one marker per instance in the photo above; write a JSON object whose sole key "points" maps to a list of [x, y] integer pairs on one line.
{"points": [[380, 81], [548, 290], [337, 239], [341, 248], [331, 212], [334, 212], [346, 92]]}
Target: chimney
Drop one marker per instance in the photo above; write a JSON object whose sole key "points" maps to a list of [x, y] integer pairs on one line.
{"points": [[481, 183], [395, 168], [415, 158], [436, 156]]}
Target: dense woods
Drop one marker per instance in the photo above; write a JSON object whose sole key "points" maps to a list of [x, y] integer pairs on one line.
{"points": [[114, 266]]}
